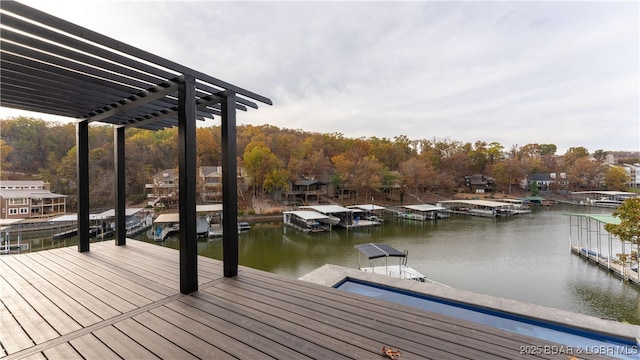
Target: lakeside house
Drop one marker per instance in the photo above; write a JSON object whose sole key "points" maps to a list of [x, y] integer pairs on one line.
{"points": [[480, 184], [306, 192], [31, 199], [163, 191], [211, 184], [545, 181]]}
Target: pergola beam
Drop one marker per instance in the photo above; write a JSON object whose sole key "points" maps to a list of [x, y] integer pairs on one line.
{"points": [[140, 98]]}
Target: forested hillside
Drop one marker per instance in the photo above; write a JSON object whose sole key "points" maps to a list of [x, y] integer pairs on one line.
{"points": [[36, 149]]}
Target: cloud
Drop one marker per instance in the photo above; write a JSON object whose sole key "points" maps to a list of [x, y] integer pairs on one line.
{"points": [[515, 72]]}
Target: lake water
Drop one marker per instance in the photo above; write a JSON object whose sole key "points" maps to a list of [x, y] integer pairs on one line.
{"points": [[524, 258]]}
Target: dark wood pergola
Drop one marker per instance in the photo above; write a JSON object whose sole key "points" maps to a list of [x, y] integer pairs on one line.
{"points": [[49, 65]]}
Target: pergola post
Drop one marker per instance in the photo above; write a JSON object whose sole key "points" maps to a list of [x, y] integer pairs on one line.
{"points": [[82, 166], [120, 195], [229, 186], [187, 185]]}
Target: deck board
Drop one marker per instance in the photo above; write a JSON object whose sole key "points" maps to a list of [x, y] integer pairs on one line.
{"points": [[124, 302], [126, 347], [37, 304], [16, 339], [68, 296], [61, 351], [245, 329], [101, 285], [360, 320], [92, 348], [351, 309]]}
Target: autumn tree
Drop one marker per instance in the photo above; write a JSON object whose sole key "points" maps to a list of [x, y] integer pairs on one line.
{"points": [[616, 178], [259, 162], [368, 175], [5, 150], [508, 173], [628, 230], [209, 146], [586, 174], [30, 141], [417, 173], [600, 155], [573, 154]]}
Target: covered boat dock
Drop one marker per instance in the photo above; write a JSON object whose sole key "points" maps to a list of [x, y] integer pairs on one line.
{"points": [[306, 221], [422, 212], [589, 239], [473, 207], [383, 252]]}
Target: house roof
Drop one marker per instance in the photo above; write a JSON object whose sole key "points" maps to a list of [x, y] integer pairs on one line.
{"points": [[167, 174], [308, 182], [26, 193], [211, 170], [52, 66], [541, 177], [14, 183]]}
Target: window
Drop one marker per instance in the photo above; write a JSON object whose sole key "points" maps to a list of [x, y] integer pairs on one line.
{"points": [[24, 210], [19, 201], [13, 211]]}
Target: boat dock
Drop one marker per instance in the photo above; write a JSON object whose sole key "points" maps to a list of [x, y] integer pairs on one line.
{"points": [[306, 221], [484, 208], [125, 302], [383, 252], [342, 216], [626, 272], [422, 212], [588, 239]]}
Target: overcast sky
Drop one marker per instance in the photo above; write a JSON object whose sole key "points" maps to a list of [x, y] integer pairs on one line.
{"points": [[564, 73]]}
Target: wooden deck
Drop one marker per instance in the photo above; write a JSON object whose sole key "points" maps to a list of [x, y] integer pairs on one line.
{"points": [[124, 302]]}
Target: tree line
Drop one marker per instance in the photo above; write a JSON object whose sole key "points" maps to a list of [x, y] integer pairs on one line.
{"points": [[271, 157]]}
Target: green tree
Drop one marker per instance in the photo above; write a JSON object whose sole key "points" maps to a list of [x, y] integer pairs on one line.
{"points": [[628, 230]]}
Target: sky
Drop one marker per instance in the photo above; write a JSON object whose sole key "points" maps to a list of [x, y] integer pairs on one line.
{"points": [[513, 72]]}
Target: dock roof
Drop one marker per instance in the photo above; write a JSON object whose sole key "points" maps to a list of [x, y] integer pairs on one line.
{"points": [[367, 207], [424, 207], [375, 251], [307, 215], [327, 209], [602, 218], [476, 202]]}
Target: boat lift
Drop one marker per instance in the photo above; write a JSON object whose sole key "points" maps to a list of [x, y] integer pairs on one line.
{"points": [[384, 252]]}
